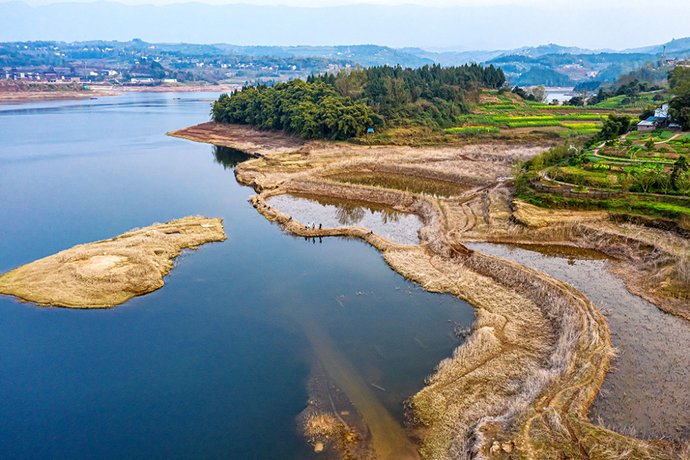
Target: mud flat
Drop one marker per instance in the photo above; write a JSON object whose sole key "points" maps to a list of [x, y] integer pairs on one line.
{"points": [[652, 347], [107, 273], [523, 382], [15, 92], [654, 263], [40, 96], [239, 137]]}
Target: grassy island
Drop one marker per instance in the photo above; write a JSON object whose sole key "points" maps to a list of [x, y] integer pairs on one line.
{"points": [[110, 272]]}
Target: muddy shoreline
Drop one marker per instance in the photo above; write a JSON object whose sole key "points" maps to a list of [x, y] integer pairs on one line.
{"points": [[44, 96], [525, 379], [97, 91], [651, 349]]}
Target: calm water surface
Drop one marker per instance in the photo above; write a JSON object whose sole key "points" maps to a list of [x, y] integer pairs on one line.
{"points": [[398, 227], [215, 364]]}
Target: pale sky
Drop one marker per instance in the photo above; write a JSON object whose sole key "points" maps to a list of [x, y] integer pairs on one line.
{"points": [[432, 24], [550, 4]]}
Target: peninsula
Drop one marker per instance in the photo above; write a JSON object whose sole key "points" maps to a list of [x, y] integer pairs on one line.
{"points": [[524, 380]]}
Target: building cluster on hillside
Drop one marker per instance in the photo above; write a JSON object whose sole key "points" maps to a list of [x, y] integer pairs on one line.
{"points": [[44, 74], [660, 119]]}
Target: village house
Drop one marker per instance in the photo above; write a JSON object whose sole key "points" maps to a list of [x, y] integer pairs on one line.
{"points": [[660, 119]]}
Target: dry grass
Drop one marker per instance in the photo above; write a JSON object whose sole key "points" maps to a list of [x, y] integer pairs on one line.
{"points": [[240, 137], [533, 216], [110, 272], [539, 351]]}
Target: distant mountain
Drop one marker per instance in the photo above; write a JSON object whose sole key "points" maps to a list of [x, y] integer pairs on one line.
{"points": [[450, 58], [543, 76], [298, 32], [674, 48], [528, 66], [525, 69], [551, 48]]}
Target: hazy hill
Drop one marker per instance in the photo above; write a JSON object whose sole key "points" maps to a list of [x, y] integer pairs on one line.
{"points": [[410, 32], [674, 48], [365, 55]]}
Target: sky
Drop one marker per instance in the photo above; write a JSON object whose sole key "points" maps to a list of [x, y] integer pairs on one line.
{"points": [[431, 24], [547, 4]]}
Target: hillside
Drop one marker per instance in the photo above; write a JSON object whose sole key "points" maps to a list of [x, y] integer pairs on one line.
{"points": [[549, 65]]}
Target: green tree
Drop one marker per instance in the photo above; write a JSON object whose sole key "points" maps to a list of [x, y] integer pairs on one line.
{"points": [[351, 83], [679, 80], [680, 167], [345, 105], [614, 126], [680, 110]]}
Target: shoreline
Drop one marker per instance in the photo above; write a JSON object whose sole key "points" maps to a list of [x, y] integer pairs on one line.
{"points": [[530, 328], [48, 96], [98, 91]]}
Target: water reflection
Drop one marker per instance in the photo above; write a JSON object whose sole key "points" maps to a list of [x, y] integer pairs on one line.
{"points": [[331, 213], [349, 215], [229, 157]]}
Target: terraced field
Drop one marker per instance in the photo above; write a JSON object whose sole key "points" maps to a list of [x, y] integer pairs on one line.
{"points": [[507, 113], [641, 173]]}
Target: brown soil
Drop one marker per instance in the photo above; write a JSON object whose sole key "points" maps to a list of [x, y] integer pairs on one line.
{"points": [[37, 96], [18, 91], [110, 272], [243, 138], [10, 95], [522, 384]]}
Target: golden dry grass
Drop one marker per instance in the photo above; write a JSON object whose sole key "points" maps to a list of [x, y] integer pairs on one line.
{"points": [[110, 272], [533, 216]]}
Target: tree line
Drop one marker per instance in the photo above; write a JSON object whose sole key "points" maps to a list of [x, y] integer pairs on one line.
{"points": [[310, 110], [679, 81], [349, 103]]}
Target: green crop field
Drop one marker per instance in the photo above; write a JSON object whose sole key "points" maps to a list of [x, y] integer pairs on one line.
{"points": [[503, 112], [473, 130], [623, 102]]}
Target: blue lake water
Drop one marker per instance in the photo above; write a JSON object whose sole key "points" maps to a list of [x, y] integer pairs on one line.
{"points": [[216, 363]]}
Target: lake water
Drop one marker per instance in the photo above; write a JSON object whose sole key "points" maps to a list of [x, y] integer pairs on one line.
{"points": [[560, 94], [215, 364]]}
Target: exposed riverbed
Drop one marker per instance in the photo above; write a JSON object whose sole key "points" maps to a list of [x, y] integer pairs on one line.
{"points": [[645, 392]]}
